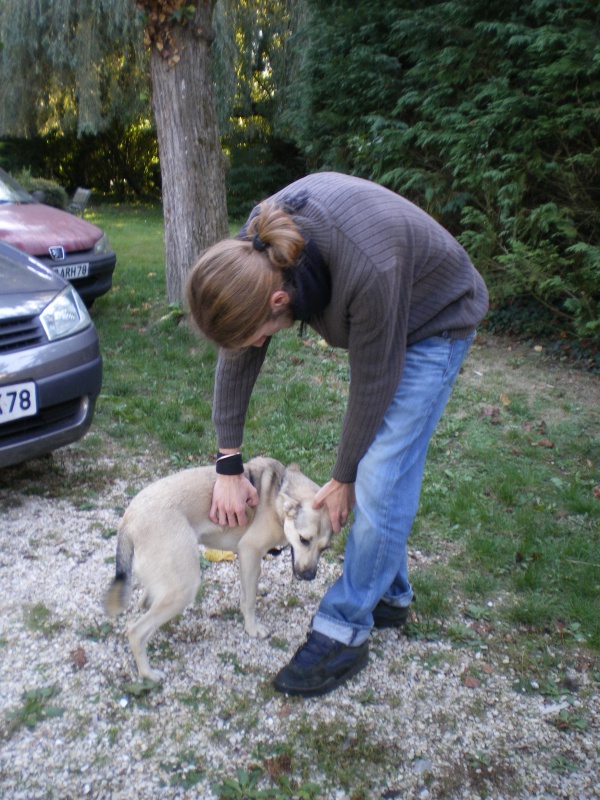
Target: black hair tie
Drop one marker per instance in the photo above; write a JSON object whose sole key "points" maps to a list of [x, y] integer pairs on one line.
{"points": [[258, 244]]}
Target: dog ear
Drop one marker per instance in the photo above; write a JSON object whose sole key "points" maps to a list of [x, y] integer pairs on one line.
{"points": [[290, 506]]}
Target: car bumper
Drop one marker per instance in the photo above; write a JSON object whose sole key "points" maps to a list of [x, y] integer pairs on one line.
{"points": [[99, 279], [66, 404]]}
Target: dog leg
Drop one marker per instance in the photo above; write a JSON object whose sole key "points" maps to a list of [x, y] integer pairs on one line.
{"points": [[250, 564], [158, 614]]}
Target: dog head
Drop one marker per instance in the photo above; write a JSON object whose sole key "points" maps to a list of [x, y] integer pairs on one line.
{"points": [[307, 530]]}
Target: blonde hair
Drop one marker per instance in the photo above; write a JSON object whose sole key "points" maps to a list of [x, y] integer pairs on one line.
{"points": [[229, 288]]}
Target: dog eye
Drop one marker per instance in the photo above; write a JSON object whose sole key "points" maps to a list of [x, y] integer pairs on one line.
{"points": [[304, 541]]}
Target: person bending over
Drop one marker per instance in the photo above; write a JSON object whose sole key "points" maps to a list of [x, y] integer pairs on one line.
{"points": [[377, 276]]}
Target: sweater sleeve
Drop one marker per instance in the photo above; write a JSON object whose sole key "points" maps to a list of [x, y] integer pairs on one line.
{"points": [[235, 376]]}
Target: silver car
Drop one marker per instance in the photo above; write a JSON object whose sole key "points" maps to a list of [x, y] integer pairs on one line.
{"points": [[50, 362]]}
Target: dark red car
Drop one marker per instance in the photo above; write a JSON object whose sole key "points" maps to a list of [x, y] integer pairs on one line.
{"points": [[72, 247]]}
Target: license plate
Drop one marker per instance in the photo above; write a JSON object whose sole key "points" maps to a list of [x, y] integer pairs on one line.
{"points": [[16, 401], [70, 271]]}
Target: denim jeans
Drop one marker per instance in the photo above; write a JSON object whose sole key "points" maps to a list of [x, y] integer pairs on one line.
{"points": [[388, 485]]}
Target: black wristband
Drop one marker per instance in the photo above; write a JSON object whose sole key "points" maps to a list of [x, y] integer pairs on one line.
{"points": [[229, 464]]}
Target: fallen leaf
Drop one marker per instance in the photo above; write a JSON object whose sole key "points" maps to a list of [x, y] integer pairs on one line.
{"points": [[504, 400], [279, 765], [493, 413], [544, 443], [78, 658]]}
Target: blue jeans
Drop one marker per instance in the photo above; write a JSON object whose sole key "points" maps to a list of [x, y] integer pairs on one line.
{"points": [[388, 485]]}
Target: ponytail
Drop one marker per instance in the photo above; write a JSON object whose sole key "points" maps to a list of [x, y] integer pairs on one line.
{"points": [[277, 231]]}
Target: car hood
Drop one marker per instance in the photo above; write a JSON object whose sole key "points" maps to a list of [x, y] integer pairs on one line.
{"points": [[34, 227], [26, 287]]}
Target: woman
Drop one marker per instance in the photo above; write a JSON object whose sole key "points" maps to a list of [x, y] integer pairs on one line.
{"points": [[373, 274]]}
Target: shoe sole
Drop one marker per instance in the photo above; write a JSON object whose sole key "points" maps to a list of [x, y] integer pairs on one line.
{"points": [[329, 685], [390, 620], [385, 623]]}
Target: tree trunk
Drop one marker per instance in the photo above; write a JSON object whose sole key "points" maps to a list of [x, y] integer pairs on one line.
{"points": [[191, 160]]}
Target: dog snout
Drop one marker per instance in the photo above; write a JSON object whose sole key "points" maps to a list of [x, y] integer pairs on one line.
{"points": [[306, 574]]}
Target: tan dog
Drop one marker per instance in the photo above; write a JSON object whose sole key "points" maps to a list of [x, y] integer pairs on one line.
{"points": [[159, 534]]}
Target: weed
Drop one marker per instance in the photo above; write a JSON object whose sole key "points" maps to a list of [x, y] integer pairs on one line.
{"points": [[185, 771], [39, 618], [562, 764], [35, 708], [244, 787], [348, 757], [198, 696], [97, 632], [568, 720], [231, 658]]}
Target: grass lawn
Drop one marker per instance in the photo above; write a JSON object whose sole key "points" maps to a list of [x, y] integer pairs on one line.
{"points": [[509, 517]]}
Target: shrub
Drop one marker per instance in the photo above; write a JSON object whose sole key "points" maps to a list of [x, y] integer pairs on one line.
{"points": [[50, 192]]}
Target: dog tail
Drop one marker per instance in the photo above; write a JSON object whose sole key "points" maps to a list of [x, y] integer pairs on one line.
{"points": [[119, 592]]}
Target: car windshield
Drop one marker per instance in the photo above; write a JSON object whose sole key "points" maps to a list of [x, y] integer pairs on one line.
{"points": [[11, 192]]}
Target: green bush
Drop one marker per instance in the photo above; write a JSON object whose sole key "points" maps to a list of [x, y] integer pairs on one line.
{"points": [[486, 115], [51, 193]]}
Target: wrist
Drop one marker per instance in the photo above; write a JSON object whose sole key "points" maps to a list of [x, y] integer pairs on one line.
{"points": [[229, 462]]}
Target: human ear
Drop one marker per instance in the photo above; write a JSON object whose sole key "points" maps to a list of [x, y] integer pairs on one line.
{"points": [[280, 300]]}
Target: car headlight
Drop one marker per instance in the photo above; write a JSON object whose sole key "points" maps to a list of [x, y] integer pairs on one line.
{"points": [[65, 315], [102, 245]]}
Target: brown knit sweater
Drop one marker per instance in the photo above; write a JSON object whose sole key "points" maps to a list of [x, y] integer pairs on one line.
{"points": [[397, 277]]}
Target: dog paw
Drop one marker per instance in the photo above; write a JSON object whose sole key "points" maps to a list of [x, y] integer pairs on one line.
{"points": [[155, 675], [258, 631]]}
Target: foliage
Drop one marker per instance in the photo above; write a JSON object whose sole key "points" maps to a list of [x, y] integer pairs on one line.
{"points": [[485, 115], [255, 36], [159, 18], [70, 65], [52, 193], [118, 162], [35, 708]]}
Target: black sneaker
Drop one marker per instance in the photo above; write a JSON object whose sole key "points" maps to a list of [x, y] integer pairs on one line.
{"points": [[321, 665], [387, 616]]}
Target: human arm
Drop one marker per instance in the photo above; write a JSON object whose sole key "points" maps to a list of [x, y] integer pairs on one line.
{"points": [[235, 376]]}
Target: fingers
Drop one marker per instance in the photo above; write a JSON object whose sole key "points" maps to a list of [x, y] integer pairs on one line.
{"points": [[231, 496], [252, 499], [319, 498]]}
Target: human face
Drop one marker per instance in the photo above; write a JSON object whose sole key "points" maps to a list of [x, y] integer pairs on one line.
{"points": [[281, 317], [271, 326]]}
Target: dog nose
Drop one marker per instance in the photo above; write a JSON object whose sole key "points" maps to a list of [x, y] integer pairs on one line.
{"points": [[307, 574]]}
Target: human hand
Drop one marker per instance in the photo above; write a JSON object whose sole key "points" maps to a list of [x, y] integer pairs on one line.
{"points": [[339, 498], [231, 495]]}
